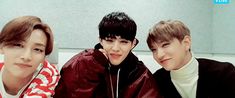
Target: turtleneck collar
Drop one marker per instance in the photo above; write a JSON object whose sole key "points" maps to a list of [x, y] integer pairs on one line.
{"points": [[188, 70]]}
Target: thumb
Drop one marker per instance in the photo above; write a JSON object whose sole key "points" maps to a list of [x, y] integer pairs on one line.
{"points": [[104, 52]]}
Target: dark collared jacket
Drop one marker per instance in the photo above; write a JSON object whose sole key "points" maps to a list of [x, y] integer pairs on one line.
{"points": [[215, 80], [89, 75]]}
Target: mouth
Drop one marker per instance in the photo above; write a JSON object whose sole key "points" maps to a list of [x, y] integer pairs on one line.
{"points": [[22, 65], [163, 61], [115, 56]]}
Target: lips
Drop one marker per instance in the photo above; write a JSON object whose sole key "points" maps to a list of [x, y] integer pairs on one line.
{"points": [[164, 61], [22, 65], [115, 56]]}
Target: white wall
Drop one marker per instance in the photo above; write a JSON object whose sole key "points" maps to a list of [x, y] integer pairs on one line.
{"points": [[223, 28], [146, 57], [208, 23], [78, 19]]}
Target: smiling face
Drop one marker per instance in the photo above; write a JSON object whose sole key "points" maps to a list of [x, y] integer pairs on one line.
{"points": [[116, 48], [172, 54], [22, 59], [170, 43]]}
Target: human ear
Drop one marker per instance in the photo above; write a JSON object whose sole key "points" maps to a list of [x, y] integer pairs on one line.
{"points": [[187, 42], [135, 42], [100, 40]]}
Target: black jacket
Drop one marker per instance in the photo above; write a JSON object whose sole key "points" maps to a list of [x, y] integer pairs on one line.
{"points": [[216, 80]]}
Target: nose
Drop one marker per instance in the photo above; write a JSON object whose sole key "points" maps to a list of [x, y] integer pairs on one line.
{"points": [[160, 53], [26, 55], [116, 46]]}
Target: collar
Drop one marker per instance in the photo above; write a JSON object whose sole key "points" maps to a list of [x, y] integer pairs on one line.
{"points": [[188, 70]]}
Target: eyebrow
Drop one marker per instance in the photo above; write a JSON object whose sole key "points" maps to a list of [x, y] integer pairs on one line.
{"points": [[40, 44]]}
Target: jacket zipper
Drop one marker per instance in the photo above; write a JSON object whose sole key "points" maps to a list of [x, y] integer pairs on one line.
{"points": [[111, 82]]}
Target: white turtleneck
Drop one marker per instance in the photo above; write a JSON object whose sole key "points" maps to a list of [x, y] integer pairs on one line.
{"points": [[185, 79]]}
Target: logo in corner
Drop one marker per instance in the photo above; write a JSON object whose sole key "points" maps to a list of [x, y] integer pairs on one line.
{"points": [[221, 1]]}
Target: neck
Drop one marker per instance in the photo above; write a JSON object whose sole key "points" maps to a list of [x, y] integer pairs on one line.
{"points": [[188, 57], [14, 84]]}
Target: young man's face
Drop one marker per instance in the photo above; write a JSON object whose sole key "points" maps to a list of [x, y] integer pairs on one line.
{"points": [[117, 49], [22, 59], [173, 54]]}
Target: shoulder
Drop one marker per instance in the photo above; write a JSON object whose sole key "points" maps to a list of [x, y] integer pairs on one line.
{"points": [[213, 65], [48, 73], [161, 73], [49, 68], [140, 73], [138, 67], [82, 55], [88, 56], [211, 61], [135, 69], [44, 82], [212, 69]]}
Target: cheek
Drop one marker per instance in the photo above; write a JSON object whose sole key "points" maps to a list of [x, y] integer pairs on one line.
{"points": [[155, 57], [173, 51], [127, 48], [36, 64], [39, 59], [11, 56], [8, 58], [106, 48], [127, 51]]}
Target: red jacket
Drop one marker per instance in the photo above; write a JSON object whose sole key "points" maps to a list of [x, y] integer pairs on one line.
{"points": [[87, 75], [43, 84]]}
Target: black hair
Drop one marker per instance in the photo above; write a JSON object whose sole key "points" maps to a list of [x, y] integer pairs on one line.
{"points": [[117, 24]]}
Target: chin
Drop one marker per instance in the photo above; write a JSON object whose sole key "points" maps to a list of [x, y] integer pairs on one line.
{"points": [[168, 68], [115, 63]]}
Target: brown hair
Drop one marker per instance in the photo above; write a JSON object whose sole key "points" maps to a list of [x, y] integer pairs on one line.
{"points": [[166, 31], [20, 28]]}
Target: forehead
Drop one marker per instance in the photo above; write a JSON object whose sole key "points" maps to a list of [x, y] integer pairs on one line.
{"points": [[160, 42], [38, 37], [115, 37]]}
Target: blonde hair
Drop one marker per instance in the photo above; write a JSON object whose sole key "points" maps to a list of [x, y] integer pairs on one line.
{"points": [[166, 31]]}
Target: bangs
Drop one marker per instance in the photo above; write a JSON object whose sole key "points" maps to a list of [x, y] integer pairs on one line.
{"points": [[162, 34], [117, 24], [119, 29], [167, 31], [15, 33]]}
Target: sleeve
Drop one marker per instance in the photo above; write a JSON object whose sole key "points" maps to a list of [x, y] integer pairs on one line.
{"points": [[144, 87], [228, 80], [81, 75], [149, 89], [43, 85]]}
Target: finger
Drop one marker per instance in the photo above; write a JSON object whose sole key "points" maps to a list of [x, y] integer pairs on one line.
{"points": [[104, 52]]}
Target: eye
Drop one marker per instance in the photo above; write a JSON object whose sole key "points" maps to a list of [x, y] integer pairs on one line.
{"points": [[153, 50], [124, 41], [109, 40], [165, 44], [39, 50], [18, 45]]}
